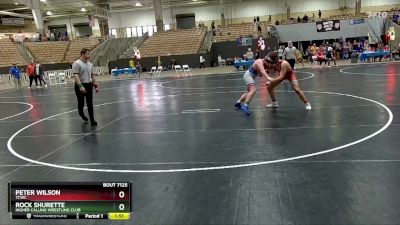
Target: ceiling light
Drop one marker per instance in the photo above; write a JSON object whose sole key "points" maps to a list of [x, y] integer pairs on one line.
{"points": [[16, 3], [138, 4], [43, 0], [49, 13], [83, 9]]}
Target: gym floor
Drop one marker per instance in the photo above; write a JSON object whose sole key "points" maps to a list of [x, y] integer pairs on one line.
{"points": [[194, 159]]}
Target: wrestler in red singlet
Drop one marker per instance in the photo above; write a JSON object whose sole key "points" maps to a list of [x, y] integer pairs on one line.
{"points": [[285, 73]]}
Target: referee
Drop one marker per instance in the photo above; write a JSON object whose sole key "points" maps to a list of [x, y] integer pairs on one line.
{"points": [[85, 80], [290, 54]]}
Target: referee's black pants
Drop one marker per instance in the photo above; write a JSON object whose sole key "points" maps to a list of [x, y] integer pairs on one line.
{"points": [[291, 63], [89, 99]]}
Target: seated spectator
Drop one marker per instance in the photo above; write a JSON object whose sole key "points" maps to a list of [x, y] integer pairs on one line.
{"points": [[305, 18], [250, 55], [298, 19], [320, 57], [131, 63], [277, 23]]}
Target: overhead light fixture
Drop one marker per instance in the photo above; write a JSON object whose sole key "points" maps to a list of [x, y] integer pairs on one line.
{"points": [[49, 13], [138, 4], [43, 0], [83, 9], [16, 3]]}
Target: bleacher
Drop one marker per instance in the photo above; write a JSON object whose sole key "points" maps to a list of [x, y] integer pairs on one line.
{"points": [[9, 53], [233, 31], [77, 45], [174, 42], [347, 16], [49, 51]]}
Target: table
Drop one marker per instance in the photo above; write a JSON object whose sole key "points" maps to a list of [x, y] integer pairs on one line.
{"points": [[243, 64], [364, 56], [117, 72]]}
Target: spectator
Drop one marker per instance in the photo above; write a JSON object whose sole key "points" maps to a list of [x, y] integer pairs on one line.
{"points": [[319, 14], [308, 53], [305, 18], [298, 19], [321, 56], [313, 49], [254, 20], [219, 60], [280, 52], [260, 44], [268, 31], [173, 63], [259, 29], [258, 19], [249, 54], [239, 41], [39, 74], [214, 31], [159, 62], [277, 22], [202, 61], [269, 18], [30, 70], [16, 73], [313, 17], [290, 54], [330, 55], [131, 63]]}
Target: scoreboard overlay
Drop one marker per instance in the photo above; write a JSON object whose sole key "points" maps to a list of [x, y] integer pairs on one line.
{"points": [[70, 200]]}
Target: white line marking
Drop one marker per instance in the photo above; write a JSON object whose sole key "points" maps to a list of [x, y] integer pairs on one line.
{"points": [[366, 74], [60, 94], [210, 162], [65, 145], [201, 110], [22, 103], [390, 114], [192, 131]]}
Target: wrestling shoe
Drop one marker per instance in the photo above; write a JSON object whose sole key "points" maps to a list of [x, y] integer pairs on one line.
{"points": [[238, 105], [246, 109], [308, 106], [274, 104]]}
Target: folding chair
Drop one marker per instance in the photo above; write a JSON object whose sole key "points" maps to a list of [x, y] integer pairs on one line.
{"points": [[52, 78], [187, 70], [178, 69], [62, 79], [158, 72], [152, 71]]}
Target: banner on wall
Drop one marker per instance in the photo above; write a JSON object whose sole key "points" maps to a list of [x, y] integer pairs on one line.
{"points": [[12, 21], [357, 21], [245, 41], [329, 25]]}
